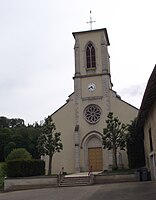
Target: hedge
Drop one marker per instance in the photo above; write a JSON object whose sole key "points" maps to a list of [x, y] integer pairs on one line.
{"points": [[25, 168]]}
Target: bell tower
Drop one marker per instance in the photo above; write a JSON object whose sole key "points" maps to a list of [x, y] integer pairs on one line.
{"points": [[92, 84], [92, 66]]}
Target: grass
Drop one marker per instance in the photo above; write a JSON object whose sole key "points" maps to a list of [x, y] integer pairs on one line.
{"points": [[119, 171], [2, 174]]}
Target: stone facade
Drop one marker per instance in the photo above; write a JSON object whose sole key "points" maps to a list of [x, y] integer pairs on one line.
{"points": [[82, 119], [30, 183]]}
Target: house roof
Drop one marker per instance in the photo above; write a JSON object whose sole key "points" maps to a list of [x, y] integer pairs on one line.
{"points": [[148, 98]]}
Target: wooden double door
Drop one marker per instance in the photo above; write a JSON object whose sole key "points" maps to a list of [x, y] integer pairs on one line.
{"points": [[95, 158]]}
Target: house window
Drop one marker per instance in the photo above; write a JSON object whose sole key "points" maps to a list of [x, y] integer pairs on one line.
{"points": [[90, 56], [150, 139]]}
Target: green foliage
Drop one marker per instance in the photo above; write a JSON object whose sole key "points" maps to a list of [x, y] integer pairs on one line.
{"points": [[49, 141], [5, 137], [3, 173], [11, 123], [14, 134], [118, 171], [25, 168], [8, 148], [4, 122], [33, 135], [19, 140], [20, 154], [15, 123], [135, 146], [114, 136]]}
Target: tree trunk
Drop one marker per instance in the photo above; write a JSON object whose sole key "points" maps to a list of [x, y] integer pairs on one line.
{"points": [[115, 166], [50, 164]]}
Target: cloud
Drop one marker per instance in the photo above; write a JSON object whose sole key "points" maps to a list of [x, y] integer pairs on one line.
{"points": [[133, 94], [133, 90]]}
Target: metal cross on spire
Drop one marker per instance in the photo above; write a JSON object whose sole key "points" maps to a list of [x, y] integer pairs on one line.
{"points": [[90, 21]]}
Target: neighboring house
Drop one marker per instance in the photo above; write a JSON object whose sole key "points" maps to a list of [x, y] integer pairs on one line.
{"points": [[82, 119], [147, 121]]}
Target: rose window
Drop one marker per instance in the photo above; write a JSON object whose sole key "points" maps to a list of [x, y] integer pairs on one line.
{"points": [[92, 113]]}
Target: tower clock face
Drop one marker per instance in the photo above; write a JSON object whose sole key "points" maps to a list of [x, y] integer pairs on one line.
{"points": [[91, 87]]}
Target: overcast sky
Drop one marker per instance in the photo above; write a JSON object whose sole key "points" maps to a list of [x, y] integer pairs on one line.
{"points": [[37, 56]]}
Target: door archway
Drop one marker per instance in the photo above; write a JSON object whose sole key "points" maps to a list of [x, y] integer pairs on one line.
{"points": [[95, 160], [93, 152]]}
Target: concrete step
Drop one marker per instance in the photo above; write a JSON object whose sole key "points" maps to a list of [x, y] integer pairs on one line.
{"points": [[74, 181]]}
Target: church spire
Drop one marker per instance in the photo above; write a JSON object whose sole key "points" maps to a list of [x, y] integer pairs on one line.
{"points": [[91, 21]]}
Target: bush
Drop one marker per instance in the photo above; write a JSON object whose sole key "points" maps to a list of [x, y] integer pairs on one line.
{"points": [[3, 173], [25, 168], [19, 154]]}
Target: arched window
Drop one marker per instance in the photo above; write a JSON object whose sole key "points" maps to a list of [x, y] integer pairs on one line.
{"points": [[90, 56]]}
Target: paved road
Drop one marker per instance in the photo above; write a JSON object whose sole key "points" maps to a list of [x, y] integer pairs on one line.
{"points": [[120, 191]]}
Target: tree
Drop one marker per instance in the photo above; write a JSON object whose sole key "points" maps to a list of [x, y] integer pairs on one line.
{"points": [[8, 148], [4, 122], [135, 146], [5, 137], [33, 134], [114, 136], [11, 123], [16, 122], [19, 153], [49, 141], [15, 134]]}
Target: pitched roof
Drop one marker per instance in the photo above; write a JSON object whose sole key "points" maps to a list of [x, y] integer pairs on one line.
{"points": [[148, 98]]}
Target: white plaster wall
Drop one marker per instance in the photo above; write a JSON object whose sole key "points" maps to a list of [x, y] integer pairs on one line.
{"points": [[124, 111], [64, 121]]}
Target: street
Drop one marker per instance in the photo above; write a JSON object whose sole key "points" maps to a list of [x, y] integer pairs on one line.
{"points": [[117, 191]]}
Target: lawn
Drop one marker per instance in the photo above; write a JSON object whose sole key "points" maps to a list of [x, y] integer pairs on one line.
{"points": [[118, 171]]}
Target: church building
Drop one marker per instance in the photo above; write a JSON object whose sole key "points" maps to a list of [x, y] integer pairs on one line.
{"points": [[82, 118]]}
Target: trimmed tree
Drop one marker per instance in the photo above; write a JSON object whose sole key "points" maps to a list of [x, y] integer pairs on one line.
{"points": [[114, 136], [19, 154], [49, 142]]}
